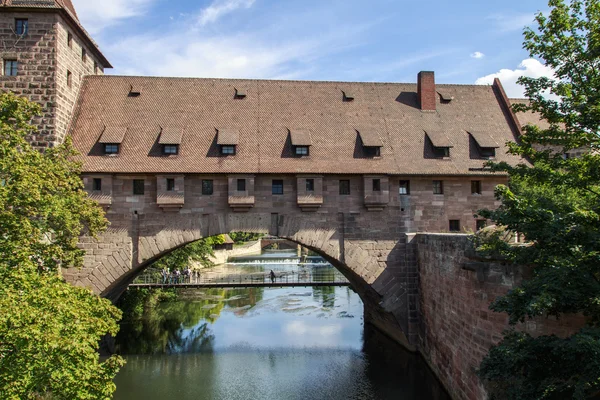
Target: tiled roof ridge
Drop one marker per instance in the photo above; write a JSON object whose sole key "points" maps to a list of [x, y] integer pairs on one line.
{"points": [[279, 80]]}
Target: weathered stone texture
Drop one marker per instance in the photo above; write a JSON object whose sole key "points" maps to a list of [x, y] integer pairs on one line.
{"points": [[43, 59], [456, 326]]}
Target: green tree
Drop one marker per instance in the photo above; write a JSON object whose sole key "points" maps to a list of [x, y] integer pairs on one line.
{"points": [[49, 329], [199, 251], [555, 203]]}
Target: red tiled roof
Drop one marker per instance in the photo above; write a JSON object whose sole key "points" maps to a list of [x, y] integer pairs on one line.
{"points": [[272, 107]]}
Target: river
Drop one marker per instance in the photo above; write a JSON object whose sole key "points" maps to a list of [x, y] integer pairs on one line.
{"points": [[266, 343]]}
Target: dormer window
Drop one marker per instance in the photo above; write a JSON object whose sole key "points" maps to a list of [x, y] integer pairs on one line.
{"points": [[301, 142], [371, 142], [440, 143], [239, 94], [170, 149], [228, 150], [301, 150], [170, 139], [486, 144], [111, 139], [227, 140], [111, 148], [347, 96]]}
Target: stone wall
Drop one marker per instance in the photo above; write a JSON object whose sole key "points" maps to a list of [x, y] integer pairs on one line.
{"points": [[456, 327], [247, 249], [44, 58], [36, 56]]}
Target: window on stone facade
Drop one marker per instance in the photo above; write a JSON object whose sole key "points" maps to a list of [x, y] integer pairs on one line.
{"points": [[480, 224], [97, 185], [111, 148], [170, 149], [404, 188], [69, 78], [475, 187], [83, 55], [70, 39], [344, 187], [377, 185], [454, 225], [11, 67], [438, 187], [301, 150], [170, 184], [241, 185], [310, 185], [277, 186], [228, 150], [207, 187], [21, 26], [138, 187]]}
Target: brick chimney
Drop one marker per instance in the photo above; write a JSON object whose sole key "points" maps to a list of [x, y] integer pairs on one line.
{"points": [[426, 90]]}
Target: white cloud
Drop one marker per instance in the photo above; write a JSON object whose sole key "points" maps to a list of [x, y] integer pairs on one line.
{"points": [[477, 55], [97, 15], [220, 8], [530, 67]]}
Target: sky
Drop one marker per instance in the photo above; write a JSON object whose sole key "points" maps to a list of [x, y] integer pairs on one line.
{"points": [[463, 41]]}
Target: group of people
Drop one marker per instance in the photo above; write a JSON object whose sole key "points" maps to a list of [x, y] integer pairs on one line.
{"points": [[176, 276]]}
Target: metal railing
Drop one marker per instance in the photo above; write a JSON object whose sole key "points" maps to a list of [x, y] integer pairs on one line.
{"points": [[287, 278]]}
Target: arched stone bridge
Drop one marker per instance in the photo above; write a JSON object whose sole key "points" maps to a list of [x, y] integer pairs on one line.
{"points": [[379, 268]]}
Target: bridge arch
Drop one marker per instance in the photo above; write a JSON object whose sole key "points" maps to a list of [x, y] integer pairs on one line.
{"points": [[379, 267]]}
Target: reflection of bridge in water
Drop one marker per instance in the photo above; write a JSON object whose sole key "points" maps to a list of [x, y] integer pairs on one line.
{"points": [[259, 279]]}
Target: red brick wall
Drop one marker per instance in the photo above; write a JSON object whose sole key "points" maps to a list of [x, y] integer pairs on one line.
{"points": [[456, 326]]}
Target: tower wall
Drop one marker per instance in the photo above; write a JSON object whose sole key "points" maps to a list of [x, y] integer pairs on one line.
{"points": [[44, 57]]}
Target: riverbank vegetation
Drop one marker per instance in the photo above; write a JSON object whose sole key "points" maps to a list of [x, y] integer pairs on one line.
{"points": [[49, 330], [555, 205]]}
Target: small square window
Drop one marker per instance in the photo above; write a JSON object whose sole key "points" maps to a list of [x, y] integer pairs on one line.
{"points": [[97, 185], [438, 187], [475, 187], [277, 186], [310, 185], [488, 152], [454, 225], [70, 40], [207, 187], [372, 151], [404, 188], [344, 187], [170, 184], [83, 55], [138, 187], [111, 148], [301, 150], [377, 185], [11, 67], [69, 78], [441, 152], [480, 224], [21, 26], [241, 185], [170, 149], [228, 149]]}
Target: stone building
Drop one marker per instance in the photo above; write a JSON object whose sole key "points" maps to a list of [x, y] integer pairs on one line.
{"points": [[412, 154], [45, 54]]}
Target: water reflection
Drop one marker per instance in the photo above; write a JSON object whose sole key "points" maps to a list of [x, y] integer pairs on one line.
{"points": [[262, 343]]}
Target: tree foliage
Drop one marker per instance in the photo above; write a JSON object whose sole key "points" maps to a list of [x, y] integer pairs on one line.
{"points": [[199, 251], [555, 203], [49, 329]]}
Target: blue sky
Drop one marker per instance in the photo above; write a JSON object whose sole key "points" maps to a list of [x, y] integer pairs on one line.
{"points": [[469, 41]]}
